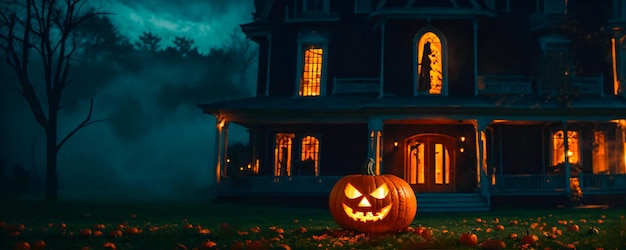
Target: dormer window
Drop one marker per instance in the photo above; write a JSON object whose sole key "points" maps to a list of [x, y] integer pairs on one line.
{"points": [[430, 78], [312, 54]]}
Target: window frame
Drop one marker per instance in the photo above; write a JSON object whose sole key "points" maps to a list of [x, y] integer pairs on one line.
{"points": [[319, 149], [288, 171], [552, 148], [444, 61], [305, 39]]}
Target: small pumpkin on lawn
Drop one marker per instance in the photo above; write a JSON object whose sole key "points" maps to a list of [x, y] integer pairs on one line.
{"points": [[427, 234], [573, 228], [493, 244], [593, 230], [529, 238], [468, 239], [372, 203]]}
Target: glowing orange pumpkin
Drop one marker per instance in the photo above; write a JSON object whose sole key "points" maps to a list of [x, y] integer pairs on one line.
{"points": [[372, 204]]}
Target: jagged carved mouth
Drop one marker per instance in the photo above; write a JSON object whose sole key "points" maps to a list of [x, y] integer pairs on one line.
{"points": [[365, 217]]}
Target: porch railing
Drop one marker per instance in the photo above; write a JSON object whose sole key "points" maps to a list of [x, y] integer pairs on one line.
{"points": [[275, 185], [538, 184], [528, 184], [602, 183], [519, 84]]}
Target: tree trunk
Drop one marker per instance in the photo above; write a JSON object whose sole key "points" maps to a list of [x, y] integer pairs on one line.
{"points": [[52, 188]]}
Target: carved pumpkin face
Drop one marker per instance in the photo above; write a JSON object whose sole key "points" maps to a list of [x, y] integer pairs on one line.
{"points": [[367, 203], [363, 211]]}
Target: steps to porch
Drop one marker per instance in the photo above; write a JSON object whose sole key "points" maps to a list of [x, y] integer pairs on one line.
{"points": [[451, 202]]}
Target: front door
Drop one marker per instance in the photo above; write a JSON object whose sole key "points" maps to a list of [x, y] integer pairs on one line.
{"points": [[429, 164]]}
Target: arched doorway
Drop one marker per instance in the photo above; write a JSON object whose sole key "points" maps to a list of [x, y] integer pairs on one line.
{"points": [[429, 164]]}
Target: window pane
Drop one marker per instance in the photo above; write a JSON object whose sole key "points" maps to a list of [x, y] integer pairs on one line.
{"points": [[310, 84], [429, 64]]}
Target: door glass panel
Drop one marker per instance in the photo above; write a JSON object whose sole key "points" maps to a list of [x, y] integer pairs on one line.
{"points": [[420, 163], [439, 161], [446, 166], [416, 164]]}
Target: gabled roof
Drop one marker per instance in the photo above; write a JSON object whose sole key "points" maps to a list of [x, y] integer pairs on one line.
{"points": [[429, 9]]}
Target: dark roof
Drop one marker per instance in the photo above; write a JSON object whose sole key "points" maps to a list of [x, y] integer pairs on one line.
{"points": [[342, 109]]}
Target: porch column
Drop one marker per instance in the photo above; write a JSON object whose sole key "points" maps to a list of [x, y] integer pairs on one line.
{"points": [[221, 142], [269, 60], [480, 127], [375, 128], [622, 169], [381, 90], [566, 157]]}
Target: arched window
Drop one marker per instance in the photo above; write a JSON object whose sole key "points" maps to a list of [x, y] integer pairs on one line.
{"points": [[282, 154], [558, 147], [430, 78], [310, 155]]}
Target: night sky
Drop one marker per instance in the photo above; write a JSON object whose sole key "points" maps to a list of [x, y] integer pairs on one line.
{"points": [[157, 144]]}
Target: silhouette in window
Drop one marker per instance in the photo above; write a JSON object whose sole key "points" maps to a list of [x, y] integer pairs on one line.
{"points": [[424, 77]]}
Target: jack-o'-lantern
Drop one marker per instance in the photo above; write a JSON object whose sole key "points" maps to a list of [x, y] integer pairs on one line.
{"points": [[372, 203]]}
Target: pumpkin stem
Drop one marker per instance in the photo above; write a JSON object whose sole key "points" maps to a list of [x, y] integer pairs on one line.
{"points": [[369, 167]]}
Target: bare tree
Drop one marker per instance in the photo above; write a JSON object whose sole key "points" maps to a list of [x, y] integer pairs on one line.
{"points": [[245, 51], [45, 29]]}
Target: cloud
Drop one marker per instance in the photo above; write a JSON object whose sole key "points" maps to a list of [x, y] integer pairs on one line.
{"points": [[209, 23]]}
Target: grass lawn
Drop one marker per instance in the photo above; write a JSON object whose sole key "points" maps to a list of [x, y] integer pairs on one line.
{"points": [[258, 225]]}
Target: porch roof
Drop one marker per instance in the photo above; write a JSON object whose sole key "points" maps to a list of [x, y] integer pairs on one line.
{"points": [[347, 109]]}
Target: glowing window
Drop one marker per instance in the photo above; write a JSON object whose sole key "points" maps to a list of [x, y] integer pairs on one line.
{"points": [[429, 64], [310, 155], [310, 83], [558, 147], [282, 154]]}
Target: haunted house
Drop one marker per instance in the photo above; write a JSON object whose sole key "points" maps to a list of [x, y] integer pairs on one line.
{"points": [[466, 100]]}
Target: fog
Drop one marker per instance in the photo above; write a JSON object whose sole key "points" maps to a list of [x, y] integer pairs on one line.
{"points": [[155, 144]]}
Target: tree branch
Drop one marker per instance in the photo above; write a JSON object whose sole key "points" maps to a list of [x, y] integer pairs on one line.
{"points": [[83, 124]]}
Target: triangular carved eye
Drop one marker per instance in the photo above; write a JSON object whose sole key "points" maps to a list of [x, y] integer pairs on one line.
{"points": [[381, 192], [351, 192]]}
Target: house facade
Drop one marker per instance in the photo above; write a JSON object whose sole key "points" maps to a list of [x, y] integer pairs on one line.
{"points": [[473, 98]]}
